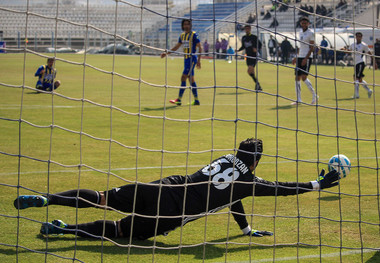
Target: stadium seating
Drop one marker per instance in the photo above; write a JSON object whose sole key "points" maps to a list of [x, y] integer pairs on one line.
{"points": [[204, 13]]}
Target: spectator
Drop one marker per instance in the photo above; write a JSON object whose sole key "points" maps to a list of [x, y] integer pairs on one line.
{"points": [[324, 45], [285, 50], [267, 15], [272, 45], [251, 19], [205, 48], [377, 52], [217, 48], [262, 11], [224, 47], [230, 53], [274, 23]]}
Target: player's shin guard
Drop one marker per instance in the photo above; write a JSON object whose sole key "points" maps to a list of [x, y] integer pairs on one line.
{"points": [[94, 229], [194, 90], [69, 198], [298, 90]]}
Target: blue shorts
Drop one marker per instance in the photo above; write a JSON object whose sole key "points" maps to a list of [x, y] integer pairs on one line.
{"points": [[189, 66], [44, 86]]}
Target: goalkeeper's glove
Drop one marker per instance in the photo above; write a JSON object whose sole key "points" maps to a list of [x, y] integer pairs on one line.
{"points": [[259, 233], [326, 181], [255, 233]]}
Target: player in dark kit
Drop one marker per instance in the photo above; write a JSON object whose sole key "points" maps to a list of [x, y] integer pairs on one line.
{"points": [[251, 45], [221, 184]]}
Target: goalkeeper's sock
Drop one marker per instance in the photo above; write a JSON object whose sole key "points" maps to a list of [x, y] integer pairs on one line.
{"points": [[182, 90], [194, 90], [94, 229], [69, 198]]}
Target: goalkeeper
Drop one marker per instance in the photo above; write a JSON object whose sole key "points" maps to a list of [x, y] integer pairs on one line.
{"points": [[46, 75], [221, 184]]}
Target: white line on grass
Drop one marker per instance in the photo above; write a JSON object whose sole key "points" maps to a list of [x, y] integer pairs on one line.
{"points": [[335, 254], [158, 167]]}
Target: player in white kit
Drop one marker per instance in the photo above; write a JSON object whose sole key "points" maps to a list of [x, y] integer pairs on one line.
{"points": [[360, 50], [303, 60]]}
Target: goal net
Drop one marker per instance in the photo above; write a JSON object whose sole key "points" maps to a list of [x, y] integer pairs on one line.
{"points": [[111, 123]]}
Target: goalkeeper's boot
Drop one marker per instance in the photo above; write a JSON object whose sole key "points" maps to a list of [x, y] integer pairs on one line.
{"points": [[25, 201], [196, 103], [54, 228], [176, 102]]}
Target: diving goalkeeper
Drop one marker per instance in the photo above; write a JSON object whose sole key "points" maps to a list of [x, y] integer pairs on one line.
{"points": [[221, 184]]}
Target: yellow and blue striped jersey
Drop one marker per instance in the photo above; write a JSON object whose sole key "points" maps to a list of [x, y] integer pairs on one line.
{"points": [[189, 42], [48, 76]]}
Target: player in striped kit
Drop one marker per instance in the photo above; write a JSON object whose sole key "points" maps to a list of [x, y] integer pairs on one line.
{"points": [[46, 76], [190, 41]]}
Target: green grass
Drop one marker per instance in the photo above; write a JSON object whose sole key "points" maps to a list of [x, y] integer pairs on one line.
{"points": [[143, 117]]}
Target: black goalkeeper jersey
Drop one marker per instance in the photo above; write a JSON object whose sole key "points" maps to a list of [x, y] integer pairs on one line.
{"points": [[223, 184], [249, 42]]}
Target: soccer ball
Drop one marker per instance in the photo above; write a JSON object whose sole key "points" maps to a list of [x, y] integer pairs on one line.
{"points": [[340, 163]]}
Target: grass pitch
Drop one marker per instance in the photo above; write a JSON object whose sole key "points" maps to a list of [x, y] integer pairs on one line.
{"points": [[152, 138]]}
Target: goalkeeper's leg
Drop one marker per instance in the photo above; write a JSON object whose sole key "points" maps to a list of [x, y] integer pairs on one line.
{"points": [[97, 229], [88, 198]]}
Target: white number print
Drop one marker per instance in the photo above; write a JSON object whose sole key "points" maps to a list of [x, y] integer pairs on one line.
{"points": [[221, 180]]}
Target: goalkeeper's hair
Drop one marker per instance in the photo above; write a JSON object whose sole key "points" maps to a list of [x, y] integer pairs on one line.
{"points": [[250, 151]]}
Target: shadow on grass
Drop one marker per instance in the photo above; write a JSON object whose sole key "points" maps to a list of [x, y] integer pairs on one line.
{"points": [[283, 107], [201, 251], [161, 108], [343, 99], [375, 258], [329, 198]]}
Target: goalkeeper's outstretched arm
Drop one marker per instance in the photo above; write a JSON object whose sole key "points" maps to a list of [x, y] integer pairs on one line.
{"points": [[267, 188]]}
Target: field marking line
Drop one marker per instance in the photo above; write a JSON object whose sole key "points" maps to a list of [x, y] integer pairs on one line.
{"points": [[158, 167]]}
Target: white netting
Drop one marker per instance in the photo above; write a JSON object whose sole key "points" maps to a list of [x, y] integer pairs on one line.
{"points": [[110, 123]]}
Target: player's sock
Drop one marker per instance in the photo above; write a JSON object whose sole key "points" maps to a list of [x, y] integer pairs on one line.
{"points": [[364, 84], [93, 229], [356, 94], [181, 91], [253, 77], [298, 90], [194, 90], [310, 86], [69, 198]]}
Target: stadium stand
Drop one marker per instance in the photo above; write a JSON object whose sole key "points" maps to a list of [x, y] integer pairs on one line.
{"points": [[204, 12]]}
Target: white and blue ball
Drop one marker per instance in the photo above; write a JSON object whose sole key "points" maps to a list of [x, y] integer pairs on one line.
{"points": [[340, 163]]}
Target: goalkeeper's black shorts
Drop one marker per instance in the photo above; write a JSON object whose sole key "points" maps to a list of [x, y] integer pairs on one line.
{"points": [[150, 202]]}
